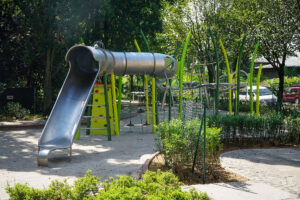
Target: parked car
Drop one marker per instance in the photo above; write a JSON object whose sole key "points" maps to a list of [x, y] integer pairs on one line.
{"points": [[292, 94], [265, 95]]}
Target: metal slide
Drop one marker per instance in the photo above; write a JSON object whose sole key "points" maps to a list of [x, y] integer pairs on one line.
{"points": [[86, 63]]}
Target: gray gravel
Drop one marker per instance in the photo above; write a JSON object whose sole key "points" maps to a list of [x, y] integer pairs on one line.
{"points": [[277, 167]]}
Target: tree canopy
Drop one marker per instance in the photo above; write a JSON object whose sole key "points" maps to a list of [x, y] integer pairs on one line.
{"points": [[36, 34]]}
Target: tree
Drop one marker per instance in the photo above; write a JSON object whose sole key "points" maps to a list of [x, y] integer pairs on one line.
{"points": [[39, 32], [275, 23], [48, 29], [279, 33]]}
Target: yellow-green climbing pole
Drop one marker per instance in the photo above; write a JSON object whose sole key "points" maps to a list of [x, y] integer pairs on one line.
{"points": [[257, 90], [236, 93], [251, 77], [228, 75], [119, 98], [146, 87], [78, 132], [115, 103], [181, 66]]}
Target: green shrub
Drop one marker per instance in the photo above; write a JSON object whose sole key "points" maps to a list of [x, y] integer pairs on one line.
{"points": [[244, 106], [293, 127], [250, 128], [160, 185], [178, 142], [14, 109], [288, 82]]}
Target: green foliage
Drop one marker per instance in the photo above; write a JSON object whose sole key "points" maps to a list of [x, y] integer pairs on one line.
{"points": [[160, 185], [288, 82], [178, 142], [15, 110], [86, 186], [35, 36], [274, 128], [293, 128], [245, 108]]}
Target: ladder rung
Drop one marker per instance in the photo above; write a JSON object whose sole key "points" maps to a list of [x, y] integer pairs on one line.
{"points": [[93, 116], [95, 105], [94, 128]]}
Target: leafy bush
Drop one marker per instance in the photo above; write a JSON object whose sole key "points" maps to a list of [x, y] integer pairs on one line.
{"points": [[14, 109], [288, 82], [293, 127], [160, 185], [291, 110], [247, 128], [178, 142], [244, 106]]}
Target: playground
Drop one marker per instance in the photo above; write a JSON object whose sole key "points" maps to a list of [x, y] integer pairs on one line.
{"points": [[191, 100], [127, 153], [124, 155]]}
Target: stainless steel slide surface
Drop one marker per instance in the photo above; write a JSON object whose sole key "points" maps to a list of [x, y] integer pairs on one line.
{"points": [[86, 63], [65, 116]]}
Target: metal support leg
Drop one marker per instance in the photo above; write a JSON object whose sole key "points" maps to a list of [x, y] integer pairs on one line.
{"points": [[70, 154], [42, 158]]}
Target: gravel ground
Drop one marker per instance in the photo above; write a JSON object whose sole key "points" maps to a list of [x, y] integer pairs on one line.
{"points": [[279, 168]]}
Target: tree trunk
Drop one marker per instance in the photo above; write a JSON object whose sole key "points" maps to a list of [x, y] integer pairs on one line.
{"points": [[280, 72], [47, 83]]}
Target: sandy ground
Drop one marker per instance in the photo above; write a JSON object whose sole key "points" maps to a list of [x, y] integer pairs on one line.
{"points": [[124, 155]]}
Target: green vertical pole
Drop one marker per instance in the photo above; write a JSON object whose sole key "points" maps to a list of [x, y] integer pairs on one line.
{"points": [[147, 99], [209, 61], [154, 107], [217, 68], [170, 100], [119, 98], [116, 118], [204, 143], [197, 145], [170, 82], [146, 87], [238, 75], [181, 66], [89, 113], [107, 107]]}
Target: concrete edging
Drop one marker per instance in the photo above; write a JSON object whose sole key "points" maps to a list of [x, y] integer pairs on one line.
{"points": [[146, 164]]}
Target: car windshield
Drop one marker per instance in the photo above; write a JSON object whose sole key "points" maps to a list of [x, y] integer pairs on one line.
{"points": [[263, 92]]}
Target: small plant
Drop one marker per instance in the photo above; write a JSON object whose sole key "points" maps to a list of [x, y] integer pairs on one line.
{"points": [[271, 127], [178, 142], [160, 185], [293, 127], [14, 109]]}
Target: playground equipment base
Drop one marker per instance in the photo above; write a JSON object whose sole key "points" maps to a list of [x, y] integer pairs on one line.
{"points": [[43, 156]]}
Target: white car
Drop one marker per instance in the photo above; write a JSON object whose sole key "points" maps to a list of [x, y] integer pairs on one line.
{"points": [[265, 95]]}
